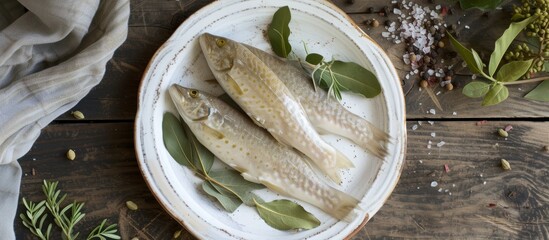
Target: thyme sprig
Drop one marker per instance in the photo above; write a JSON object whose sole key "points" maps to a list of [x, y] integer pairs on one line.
{"points": [[35, 216]]}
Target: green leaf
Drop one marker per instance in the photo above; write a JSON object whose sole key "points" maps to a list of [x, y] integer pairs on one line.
{"points": [[176, 141], [495, 95], [546, 66], [314, 58], [229, 203], [347, 76], [285, 215], [202, 157], [478, 61], [227, 181], [279, 32], [480, 4], [476, 89], [466, 54], [512, 71], [504, 42], [540, 93]]}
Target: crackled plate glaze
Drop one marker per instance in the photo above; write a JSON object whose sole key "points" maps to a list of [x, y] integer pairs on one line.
{"points": [[325, 29]]}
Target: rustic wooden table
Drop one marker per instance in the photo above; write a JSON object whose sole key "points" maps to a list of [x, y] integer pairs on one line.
{"points": [[475, 199]]}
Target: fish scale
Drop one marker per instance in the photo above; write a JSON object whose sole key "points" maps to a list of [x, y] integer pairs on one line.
{"points": [[268, 101], [237, 141]]}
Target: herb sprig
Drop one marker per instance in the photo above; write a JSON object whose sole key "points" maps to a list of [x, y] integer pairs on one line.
{"points": [[509, 73], [227, 186], [335, 76], [35, 216]]}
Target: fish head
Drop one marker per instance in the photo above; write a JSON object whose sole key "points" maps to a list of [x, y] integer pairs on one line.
{"points": [[192, 104], [219, 51]]}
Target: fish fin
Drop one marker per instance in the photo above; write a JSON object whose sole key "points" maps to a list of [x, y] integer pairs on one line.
{"points": [[209, 130], [234, 84], [344, 208], [342, 161], [249, 177]]}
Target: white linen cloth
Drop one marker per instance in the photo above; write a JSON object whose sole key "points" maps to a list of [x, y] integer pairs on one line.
{"points": [[52, 52]]}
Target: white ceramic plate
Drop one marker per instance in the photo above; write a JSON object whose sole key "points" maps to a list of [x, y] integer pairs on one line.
{"points": [[326, 30]]}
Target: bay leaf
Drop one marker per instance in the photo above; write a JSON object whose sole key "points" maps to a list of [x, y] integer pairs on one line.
{"points": [[176, 141], [279, 32], [546, 66], [497, 93], [228, 202], [348, 76], [476, 89], [314, 58], [228, 181], [480, 4], [512, 71], [285, 215], [466, 54], [202, 157], [505, 41], [540, 93]]}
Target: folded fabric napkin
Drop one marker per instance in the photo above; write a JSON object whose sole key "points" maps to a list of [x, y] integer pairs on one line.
{"points": [[52, 53]]}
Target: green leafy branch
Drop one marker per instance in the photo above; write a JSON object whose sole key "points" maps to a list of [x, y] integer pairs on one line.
{"points": [[36, 215], [227, 186], [334, 76], [495, 91]]}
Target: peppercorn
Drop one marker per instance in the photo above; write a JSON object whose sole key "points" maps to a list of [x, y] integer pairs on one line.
{"points": [[440, 44], [426, 59], [423, 84], [375, 23], [449, 86]]}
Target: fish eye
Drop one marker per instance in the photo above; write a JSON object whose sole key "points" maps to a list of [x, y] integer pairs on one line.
{"points": [[220, 42], [193, 93]]}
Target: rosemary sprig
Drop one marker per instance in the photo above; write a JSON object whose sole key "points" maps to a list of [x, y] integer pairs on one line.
{"points": [[35, 216]]}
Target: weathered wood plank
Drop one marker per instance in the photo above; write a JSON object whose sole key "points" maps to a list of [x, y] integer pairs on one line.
{"points": [[105, 175]]}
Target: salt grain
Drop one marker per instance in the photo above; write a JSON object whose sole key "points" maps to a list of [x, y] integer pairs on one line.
{"points": [[438, 93], [467, 26], [440, 190], [434, 184], [441, 143], [421, 161], [431, 122], [454, 113], [419, 122], [484, 183], [433, 134], [446, 190], [450, 193], [453, 185], [474, 76], [414, 127], [432, 111]]}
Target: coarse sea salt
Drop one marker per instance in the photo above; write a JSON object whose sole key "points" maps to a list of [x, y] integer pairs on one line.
{"points": [[414, 127], [454, 113], [431, 122], [441, 143], [434, 184], [432, 111], [433, 134]]}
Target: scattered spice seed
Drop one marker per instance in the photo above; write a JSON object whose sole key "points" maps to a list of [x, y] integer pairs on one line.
{"points": [[423, 84], [131, 205], [449, 87], [492, 205], [71, 155], [503, 133], [505, 165], [508, 128], [78, 115], [177, 234], [375, 23], [446, 168]]}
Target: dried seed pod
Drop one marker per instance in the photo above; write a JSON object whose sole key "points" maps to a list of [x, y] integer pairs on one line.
{"points": [[78, 115], [71, 155], [131, 205], [177, 234], [375, 23], [449, 87], [503, 133], [423, 84], [505, 165]]}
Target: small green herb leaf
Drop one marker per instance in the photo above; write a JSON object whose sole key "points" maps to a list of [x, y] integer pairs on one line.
{"points": [[285, 215], [314, 58], [540, 93], [512, 71], [480, 4], [339, 75], [497, 93], [229, 202], [279, 32], [478, 61], [504, 42], [466, 54], [229, 182], [176, 141], [202, 157], [476, 89]]}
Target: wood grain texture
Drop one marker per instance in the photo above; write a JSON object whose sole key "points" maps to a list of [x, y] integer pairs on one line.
{"points": [[105, 175]]}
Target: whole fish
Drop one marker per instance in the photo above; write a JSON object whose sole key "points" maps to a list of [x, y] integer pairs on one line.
{"points": [[237, 141], [265, 98], [325, 113]]}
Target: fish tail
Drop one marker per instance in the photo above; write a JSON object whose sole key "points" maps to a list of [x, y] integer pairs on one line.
{"points": [[333, 174], [343, 209], [377, 144]]}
